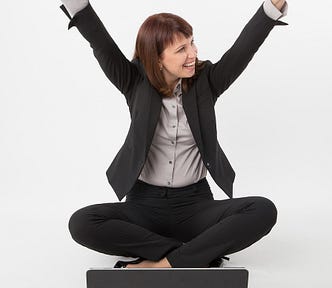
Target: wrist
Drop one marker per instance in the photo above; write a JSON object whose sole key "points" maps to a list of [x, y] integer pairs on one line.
{"points": [[278, 3]]}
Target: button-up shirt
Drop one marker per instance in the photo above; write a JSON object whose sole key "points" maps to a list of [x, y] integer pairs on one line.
{"points": [[173, 159]]}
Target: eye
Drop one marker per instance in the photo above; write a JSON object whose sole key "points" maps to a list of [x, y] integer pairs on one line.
{"points": [[182, 49]]}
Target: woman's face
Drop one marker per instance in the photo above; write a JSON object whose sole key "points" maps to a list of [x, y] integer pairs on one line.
{"points": [[178, 59]]}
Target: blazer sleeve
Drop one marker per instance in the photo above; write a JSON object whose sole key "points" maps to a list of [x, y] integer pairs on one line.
{"points": [[123, 73], [224, 72]]}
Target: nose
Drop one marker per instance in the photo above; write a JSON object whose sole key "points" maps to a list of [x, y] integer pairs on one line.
{"points": [[192, 52]]}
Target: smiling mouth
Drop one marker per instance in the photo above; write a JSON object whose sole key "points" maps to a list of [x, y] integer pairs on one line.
{"points": [[191, 64]]}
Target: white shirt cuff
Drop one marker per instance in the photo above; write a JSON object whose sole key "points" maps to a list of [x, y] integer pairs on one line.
{"points": [[273, 12], [73, 6]]}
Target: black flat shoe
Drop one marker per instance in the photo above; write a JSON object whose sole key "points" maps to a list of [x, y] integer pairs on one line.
{"points": [[218, 262], [123, 264]]}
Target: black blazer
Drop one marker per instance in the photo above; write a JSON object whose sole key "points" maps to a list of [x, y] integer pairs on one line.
{"points": [[145, 102]]}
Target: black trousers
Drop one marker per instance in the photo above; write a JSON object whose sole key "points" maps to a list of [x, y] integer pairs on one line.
{"points": [[185, 225]]}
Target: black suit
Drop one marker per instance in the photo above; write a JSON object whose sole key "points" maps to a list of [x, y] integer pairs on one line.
{"points": [[145, 103], [185, 225]]}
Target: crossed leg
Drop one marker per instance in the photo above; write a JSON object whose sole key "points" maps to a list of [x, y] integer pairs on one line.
{"points": [[214, 228]]}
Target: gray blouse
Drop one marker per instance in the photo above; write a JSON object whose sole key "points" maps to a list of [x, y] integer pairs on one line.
{"points": [[173, 159]]}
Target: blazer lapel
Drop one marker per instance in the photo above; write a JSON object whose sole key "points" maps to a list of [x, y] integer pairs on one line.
{"points": [[153, 114], [189, 102]]}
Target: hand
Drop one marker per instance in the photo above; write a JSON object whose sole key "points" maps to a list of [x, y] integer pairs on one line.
{"points": [[278, 3], [73, 6]]}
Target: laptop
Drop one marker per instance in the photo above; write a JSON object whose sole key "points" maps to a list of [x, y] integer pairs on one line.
{"points": [[230, 277]]}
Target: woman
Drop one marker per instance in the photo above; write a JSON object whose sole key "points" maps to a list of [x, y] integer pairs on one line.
{"points": [[169, 218]]}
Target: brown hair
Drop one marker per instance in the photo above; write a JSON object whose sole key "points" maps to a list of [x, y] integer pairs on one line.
{"points": [[156, 33]]}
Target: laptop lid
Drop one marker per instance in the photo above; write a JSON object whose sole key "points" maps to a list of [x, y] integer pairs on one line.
{"points": [[167, 278]]}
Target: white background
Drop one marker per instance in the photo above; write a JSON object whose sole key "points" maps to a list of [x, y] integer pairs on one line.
{"points": [[62, 122]]}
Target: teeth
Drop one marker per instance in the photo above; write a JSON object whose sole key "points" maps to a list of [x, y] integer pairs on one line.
{"points": [[189, 64]]}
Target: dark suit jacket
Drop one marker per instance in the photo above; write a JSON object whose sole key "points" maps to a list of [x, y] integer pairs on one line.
{"points": [[145, 102]]}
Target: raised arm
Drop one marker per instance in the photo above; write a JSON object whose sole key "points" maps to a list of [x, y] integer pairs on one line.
{"points": [[119, 70], [224, 72]]}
